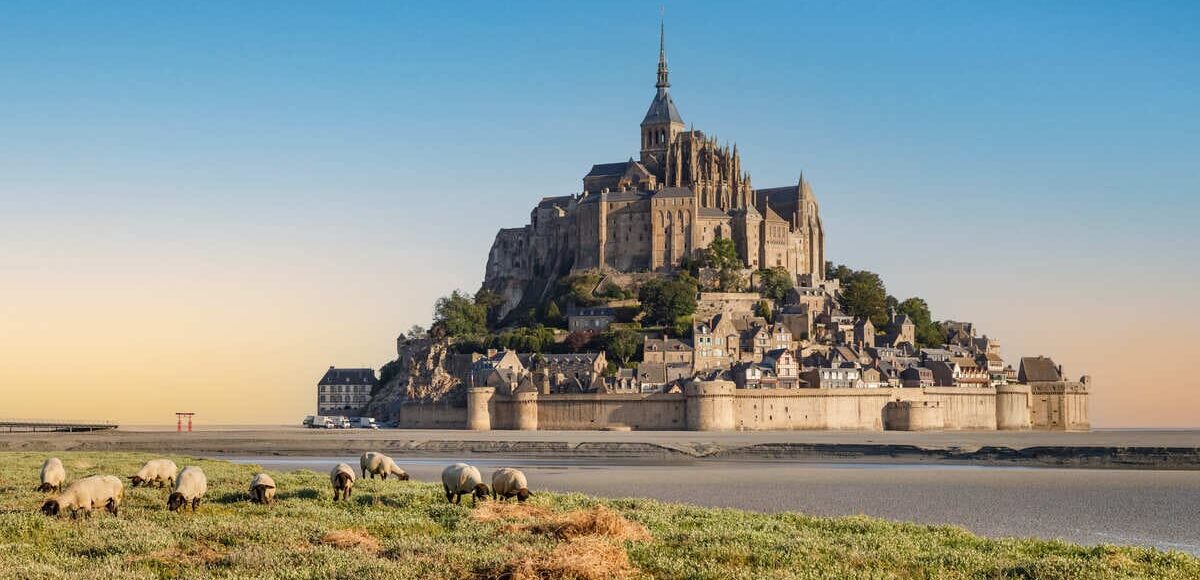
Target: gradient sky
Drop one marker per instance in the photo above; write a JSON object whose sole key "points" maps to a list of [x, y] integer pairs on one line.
{"points": [[204, 205]]}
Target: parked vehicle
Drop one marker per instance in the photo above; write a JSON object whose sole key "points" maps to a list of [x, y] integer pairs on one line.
{"points": [[365, 423], [321, 422]]}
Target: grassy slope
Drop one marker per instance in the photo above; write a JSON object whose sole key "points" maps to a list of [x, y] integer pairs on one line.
{"points": [[420, 535]]}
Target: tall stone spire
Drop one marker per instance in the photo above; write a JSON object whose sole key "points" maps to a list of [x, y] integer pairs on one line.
{"points": [[662, 83]]}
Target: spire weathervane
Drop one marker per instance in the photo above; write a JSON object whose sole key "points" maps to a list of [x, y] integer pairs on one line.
{"points": [[662, 83]]}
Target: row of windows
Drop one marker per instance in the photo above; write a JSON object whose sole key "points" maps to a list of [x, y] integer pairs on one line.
{"points": [[343, 399], [344, 388]]}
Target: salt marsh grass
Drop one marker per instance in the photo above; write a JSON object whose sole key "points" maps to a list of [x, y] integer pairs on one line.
{"points": [[395, 529]]}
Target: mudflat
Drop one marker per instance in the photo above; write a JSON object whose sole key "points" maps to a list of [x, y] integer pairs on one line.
{"points": [[1157, 449]]}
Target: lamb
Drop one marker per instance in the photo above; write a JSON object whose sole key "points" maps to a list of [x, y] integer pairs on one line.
{"points": [[262, 489], [87, 494], [342, 478], [189, 487], [160, 471], [53, 475], [508, 482], [460, 479], [376, 463]]}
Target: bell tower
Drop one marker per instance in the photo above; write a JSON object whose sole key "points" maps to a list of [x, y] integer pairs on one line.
{"points": [[662, 122]]}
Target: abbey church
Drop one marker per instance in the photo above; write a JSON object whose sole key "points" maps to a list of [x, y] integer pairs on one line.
{"points": [[647, 214]]}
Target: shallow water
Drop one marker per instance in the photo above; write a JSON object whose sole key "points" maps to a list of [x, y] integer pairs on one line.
{"points": [[1144, 507]]}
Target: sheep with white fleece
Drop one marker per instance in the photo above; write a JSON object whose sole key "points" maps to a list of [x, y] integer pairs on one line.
{"points": [[375, 463], [158, 471], [86, 495], [342, 478], [262, 489], [190, 486], [508, 482], [53, 475], [460, 479]]}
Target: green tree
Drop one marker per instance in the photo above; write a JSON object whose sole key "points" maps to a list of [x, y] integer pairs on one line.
{"points": [[763, 308], [929, 332], [666, 300], [865, 297], [622, 344], [840, 273], [553, 315], [722, 256], [459, 316], [774, 283], [490, 302]]}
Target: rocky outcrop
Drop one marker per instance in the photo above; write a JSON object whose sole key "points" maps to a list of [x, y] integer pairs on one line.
{"points": [[422, 373]]}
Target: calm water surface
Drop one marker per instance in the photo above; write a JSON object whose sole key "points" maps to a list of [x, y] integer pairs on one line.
{"points": [[1145, 507]]}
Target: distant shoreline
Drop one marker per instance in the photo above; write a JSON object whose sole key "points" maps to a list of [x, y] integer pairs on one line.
{"points": [[1124, 449]]}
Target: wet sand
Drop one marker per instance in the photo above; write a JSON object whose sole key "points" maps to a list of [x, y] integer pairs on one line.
{"points": [[1107, 449], [1142, 507]]}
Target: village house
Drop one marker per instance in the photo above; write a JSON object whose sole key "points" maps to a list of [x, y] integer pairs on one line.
{"points": [[591, 320], [833, 378], [666, 350], [915, 377]]}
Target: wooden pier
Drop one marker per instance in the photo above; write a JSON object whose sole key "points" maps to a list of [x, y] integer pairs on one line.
{"points": [[19, 426]]}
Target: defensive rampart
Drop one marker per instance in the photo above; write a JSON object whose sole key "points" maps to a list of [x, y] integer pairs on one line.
{"points": [[719, 406]]}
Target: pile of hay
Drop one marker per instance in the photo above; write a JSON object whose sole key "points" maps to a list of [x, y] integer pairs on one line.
{"points": [[588, 558], [594, 521], [351, 539], [589, 545]]}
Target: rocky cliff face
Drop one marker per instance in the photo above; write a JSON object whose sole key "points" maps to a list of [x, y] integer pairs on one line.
{"points": [[422, 373]]}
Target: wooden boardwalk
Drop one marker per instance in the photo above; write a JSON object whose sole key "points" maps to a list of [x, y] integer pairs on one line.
{"points": [[23, 426]]}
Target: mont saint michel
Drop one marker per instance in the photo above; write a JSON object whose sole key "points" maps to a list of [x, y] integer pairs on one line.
{"points": [[670, 293]]}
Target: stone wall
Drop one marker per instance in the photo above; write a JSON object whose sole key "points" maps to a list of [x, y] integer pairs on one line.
{"points": [[719, 406], [431, 416], [969, 408], [796, 409]]}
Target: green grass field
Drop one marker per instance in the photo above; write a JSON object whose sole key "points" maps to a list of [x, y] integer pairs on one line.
{"points": [[393, 529]]}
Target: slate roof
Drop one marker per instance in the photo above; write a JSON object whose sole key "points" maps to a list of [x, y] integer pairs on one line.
{"points": [[711, 212], [1038, 369], [608, 169], [336, 376], [662, 109], [782, 200]]}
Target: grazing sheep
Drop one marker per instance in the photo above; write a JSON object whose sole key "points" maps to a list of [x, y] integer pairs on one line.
{"points": [[160, 471], [53, 475], [342, 478], [460, 479], [375, 463], [87, 494], [262, 489], [189, 487], [508, 482]]}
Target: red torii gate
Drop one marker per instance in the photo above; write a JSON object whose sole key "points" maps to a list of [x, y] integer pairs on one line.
{"points": [[179, 421]]}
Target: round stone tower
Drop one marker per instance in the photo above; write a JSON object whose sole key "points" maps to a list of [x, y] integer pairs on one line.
{"points": [[479, 416], [525, 411], [1012, 407], [709, 405]]}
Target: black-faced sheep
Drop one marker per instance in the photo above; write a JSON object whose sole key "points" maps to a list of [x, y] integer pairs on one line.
{"points": [[342, 478], [157, 471], [86, 495], [374, 463], [190, 486], [460, 479], [262, 489], [508, 482], [53, 475]]}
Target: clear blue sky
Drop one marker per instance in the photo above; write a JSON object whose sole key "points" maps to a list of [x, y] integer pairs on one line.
{"points": [[1048, 148]]}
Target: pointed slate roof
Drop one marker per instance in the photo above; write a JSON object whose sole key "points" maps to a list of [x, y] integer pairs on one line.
{"points": [[662, 110]]}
